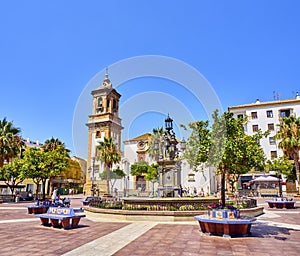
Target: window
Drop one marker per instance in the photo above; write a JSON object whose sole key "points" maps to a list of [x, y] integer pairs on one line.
{"points": [[269, 113], [100, 102], [285, 113], [271, 127], [141, 157], [271, 140], [99, 105], [255, 128], [114, 104], [140, 183], [240, 116], [29, 187], [98, 134], [96, 169], [273, 154], [254, 115]]}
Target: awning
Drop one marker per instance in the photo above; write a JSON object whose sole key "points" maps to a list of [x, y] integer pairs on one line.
{"points": [[265, 178]]}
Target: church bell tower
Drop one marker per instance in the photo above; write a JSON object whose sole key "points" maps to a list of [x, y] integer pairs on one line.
{"points": [[103, 122]]}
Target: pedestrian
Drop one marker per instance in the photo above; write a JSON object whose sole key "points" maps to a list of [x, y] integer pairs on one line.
{"points": [[54, 195]]}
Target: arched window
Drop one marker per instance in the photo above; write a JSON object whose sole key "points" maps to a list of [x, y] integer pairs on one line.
{"points": [[114, 104], [100, 101], [99, 107]]}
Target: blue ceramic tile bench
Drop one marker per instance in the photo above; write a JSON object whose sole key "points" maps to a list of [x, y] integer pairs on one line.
{"points": [[224, 226], [281, 203], [39, 207], [61, 217]]}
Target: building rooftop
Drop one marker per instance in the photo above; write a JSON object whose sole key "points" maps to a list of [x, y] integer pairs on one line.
{"points": [[258, 103], [144, 136]]}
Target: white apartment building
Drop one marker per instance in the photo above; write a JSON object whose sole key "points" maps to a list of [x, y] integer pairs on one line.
{"points": [[266, 116]]}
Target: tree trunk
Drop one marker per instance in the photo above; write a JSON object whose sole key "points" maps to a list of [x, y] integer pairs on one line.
{"points": [[50, 185], [44, 188], [12, 189], [223, 176], [37, 190], [108, 179], [296, 161], [227, 178]]}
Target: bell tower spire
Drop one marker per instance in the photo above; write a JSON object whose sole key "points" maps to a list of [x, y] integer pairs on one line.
{"points": [[104, 122]]}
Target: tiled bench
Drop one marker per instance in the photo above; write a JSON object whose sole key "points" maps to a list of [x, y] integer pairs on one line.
{"points": [[61, 217], [281, 204], [225, 227], [39, 207]]}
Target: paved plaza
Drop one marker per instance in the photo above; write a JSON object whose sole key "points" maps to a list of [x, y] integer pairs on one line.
{"points": [[277, 232]]}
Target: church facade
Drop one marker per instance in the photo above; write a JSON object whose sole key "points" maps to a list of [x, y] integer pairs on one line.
{"points": [[104, 122]]}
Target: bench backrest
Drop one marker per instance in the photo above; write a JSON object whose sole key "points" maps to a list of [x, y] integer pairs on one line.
{"points": [[61, 211], [40, 202]]}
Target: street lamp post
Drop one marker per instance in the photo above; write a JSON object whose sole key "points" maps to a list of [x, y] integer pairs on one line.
{"points": [[93, 175], [166, 149]]}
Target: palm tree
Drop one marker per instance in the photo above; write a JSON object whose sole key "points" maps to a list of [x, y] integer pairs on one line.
{"points": [[155, 137], [10, 141], [109, 154], [289, 134], [54, 144]]}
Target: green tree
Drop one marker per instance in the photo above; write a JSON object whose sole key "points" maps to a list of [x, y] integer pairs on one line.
{"points": [[34, 166], [198, 144], [281, 166], [11, 174], [248, 155], [150, 172], [115, 175], [139, 168], [289, 136], [40, 166], [155, 137], [232, 151], [57, 145], [152, 175], [109, 154], [10, 141]]}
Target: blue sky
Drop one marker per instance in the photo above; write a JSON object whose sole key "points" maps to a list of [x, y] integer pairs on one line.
{"points": [[50, 50]]}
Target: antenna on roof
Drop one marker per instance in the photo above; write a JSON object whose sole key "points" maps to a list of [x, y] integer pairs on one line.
{"points": [[276, 95]]}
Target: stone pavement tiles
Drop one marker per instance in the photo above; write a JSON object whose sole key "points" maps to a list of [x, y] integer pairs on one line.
{"points": [[274, 233], [109, 244], [168, 239], [30, 238]]}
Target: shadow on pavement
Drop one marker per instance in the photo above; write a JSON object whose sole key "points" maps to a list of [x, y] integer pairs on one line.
{"points": [[265, 231]]}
